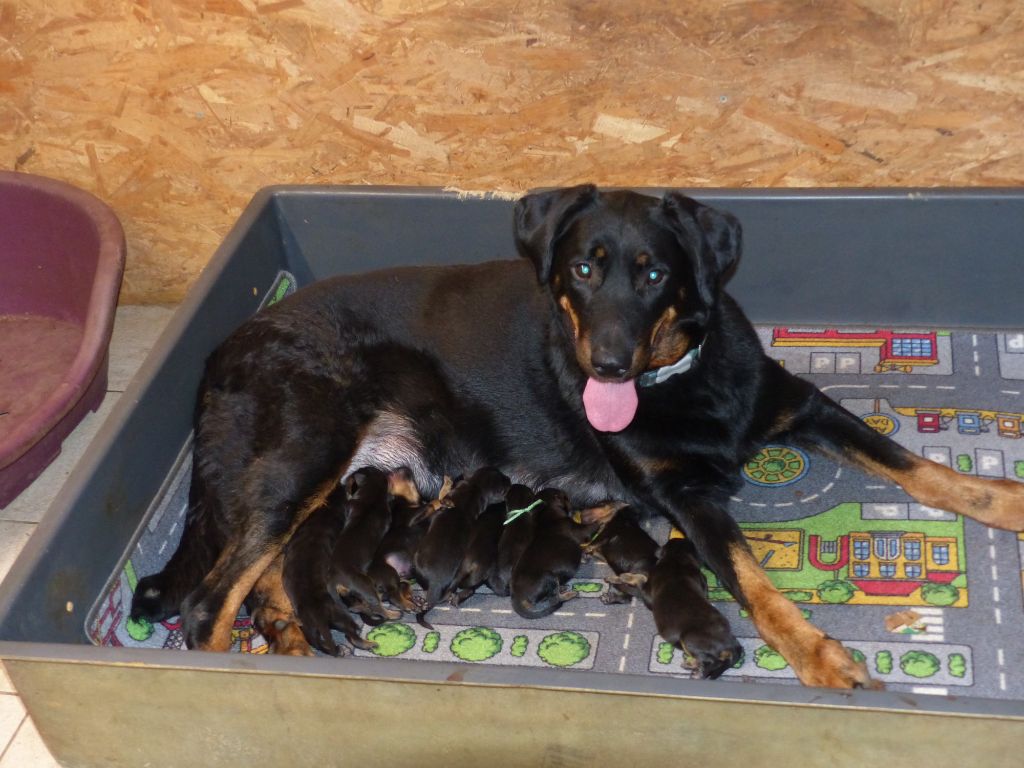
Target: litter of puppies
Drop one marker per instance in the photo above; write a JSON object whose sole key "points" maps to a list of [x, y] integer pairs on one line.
{"points": [[360, 553]]}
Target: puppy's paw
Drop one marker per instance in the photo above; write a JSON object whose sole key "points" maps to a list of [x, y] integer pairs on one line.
{"points": [[712, 653]]}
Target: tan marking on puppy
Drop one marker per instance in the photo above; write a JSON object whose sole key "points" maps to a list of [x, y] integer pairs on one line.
{"points": [[996, 502], [816, 658], [402, 485], [602, 513], [668, 343], [600, 253], [643, 259]]}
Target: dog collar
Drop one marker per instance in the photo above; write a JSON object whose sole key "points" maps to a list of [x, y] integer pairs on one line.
{"points": [[682, 365]]}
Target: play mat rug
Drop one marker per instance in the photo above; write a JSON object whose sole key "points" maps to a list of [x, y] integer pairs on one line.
{"points": [[931, 601]]}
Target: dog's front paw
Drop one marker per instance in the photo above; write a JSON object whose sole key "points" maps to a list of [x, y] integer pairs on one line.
{"points": [[826, 663], [712, 650]]}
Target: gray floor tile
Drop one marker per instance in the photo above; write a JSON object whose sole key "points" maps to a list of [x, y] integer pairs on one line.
{"points": [[136, 329]]}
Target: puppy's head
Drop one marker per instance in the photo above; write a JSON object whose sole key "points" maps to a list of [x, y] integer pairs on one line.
{"points": [[635, 278], [491, 484], [366, 483]]}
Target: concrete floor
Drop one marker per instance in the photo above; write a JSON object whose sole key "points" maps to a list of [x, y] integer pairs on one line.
{"points": [[135, 331]]}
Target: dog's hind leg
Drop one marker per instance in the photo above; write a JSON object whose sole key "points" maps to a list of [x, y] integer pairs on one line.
{"points": [[274, 615], [210, 610], [824, 425]]}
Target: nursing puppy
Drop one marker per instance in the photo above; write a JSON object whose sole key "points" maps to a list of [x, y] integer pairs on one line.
{"points": [[629, 552], [481, 556], [540, 577], [367, 519], [391, 568], [439, 556], [306, 570], [516, 535]]}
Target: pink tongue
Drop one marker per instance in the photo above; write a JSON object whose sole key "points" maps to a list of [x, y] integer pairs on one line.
{"points": [[610, 407]]}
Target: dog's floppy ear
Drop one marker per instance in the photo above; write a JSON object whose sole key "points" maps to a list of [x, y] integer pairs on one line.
{"points": [[718, 233], [542, 217]]}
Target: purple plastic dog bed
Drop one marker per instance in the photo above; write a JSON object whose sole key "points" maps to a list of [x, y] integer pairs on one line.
{"points": [[62, 256]]}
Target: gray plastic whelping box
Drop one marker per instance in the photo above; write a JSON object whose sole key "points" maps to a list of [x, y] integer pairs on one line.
{"points": [[932, 258]]}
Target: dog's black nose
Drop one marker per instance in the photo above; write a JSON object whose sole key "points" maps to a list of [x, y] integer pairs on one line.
{"points": [[610, 365]]}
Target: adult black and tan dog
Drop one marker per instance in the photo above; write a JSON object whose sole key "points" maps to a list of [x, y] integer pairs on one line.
{"points": [[609, 363]]}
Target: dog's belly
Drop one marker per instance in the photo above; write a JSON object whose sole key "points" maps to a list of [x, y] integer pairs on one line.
{"points": [[466, 378]]}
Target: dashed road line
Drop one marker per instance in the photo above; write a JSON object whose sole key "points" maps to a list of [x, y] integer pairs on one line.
{"points": [[999, 615], [995, 573], [941, 386], [995, 594], [564, 613], [1009, 391], [1002, 681], [629, 629], [501, 610], [999, 657], [812, 497], [595, 615], [936, 691]]}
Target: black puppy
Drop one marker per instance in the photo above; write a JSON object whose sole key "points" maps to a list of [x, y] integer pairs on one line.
{"points": [[392, 563], [629, 552], [481, 556], [438, 558], [516, 534], [367, 519], [677, 594], [540, 577], [307, 561]]}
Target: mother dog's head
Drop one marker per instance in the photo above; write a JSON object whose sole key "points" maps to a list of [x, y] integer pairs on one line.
{"points": [[636, 279]]}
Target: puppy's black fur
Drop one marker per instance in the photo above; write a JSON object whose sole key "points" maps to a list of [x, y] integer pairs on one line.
{"points": [[367, 519], [305, 574], [481, 556], [439, 556], [540, 577], [627, 549], [392, 564], [445, 369], [516, 536], [676, 592]]}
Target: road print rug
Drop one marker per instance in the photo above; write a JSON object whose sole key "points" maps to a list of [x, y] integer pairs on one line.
{"points": [[932, 602]]}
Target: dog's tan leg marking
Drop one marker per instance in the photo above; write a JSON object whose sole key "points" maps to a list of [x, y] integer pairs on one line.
{"points": [[220, 636], [223, 622], [816, 658], [996, 502], [274, 614]]}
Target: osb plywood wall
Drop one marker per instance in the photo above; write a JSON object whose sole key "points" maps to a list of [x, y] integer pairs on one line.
{"points": [[176, 112]]}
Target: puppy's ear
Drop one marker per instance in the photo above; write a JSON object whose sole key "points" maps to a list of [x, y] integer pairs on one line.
{"points": [[541, 219], [715, 235], [354, 482]]}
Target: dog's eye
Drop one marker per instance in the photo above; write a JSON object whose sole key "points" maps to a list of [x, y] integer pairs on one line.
{"points": [[583, 270], [655, 276]]}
